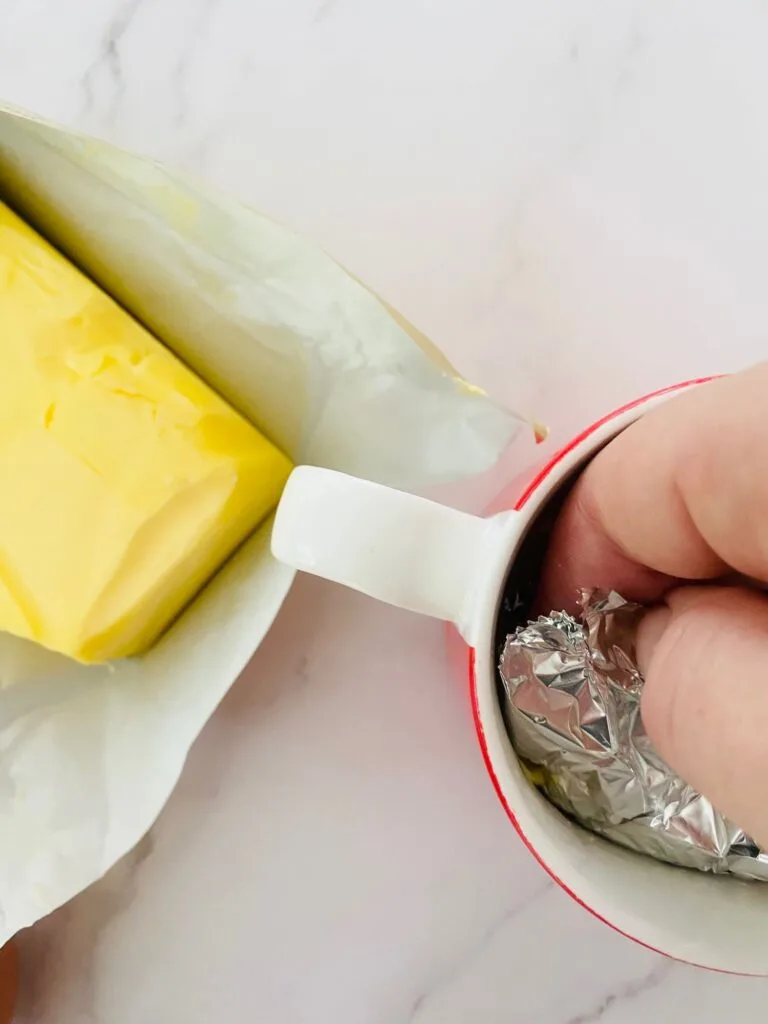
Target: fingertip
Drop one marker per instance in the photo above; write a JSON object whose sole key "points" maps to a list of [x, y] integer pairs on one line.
{"points": [[580, 556]]}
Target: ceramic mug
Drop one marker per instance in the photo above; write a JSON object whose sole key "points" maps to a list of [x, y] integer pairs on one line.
{"points": [[428, 558]]}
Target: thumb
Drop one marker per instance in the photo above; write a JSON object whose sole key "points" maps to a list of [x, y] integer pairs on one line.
{"points": [[704, 654]]}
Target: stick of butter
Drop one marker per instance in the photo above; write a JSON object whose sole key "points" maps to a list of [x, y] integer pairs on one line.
{"points": [[125, 481]]}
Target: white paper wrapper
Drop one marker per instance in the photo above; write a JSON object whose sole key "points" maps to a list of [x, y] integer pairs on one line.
{"points": [[88, 756]]}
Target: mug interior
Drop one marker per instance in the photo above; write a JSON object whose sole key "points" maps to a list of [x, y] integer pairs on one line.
{"points": [[719, 922]]}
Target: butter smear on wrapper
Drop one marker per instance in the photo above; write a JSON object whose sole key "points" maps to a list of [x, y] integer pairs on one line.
{"points": [[125, 480], [571, 700]]}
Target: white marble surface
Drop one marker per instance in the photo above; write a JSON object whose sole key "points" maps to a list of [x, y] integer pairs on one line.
{"points": [[570, 197]]}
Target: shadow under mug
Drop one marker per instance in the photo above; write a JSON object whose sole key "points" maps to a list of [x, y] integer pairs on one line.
{"points": [[431, 559]]}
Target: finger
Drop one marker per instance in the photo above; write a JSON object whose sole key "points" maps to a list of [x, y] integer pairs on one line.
{"points": [[583, 554], [681, 494], [705, 702]]}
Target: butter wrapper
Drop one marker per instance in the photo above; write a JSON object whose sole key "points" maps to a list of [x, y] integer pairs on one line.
{"points": [[89, 756]]}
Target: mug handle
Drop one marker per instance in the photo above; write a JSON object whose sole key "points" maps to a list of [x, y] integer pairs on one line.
{"points": [[396, 547]]}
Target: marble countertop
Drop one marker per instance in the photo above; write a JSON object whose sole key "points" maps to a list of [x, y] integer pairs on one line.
{"points": [[569, 196]]}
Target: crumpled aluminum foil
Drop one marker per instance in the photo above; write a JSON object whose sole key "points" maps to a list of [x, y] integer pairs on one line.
{"points": [[572, 708]]}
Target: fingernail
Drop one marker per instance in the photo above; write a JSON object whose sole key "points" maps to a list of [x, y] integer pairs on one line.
{"points": [[649, 632]]}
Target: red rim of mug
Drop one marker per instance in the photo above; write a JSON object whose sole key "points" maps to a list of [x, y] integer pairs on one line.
{"points": [[521, 502]]}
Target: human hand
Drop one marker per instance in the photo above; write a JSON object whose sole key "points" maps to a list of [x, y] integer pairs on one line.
{"points": [[681, 498]]}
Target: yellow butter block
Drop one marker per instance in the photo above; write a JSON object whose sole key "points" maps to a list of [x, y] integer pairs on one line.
{"points": [[125, 481]]}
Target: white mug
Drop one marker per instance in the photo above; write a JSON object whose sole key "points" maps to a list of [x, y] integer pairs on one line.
{"points": [[435, 560]]}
